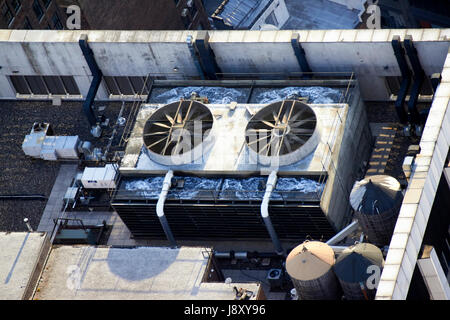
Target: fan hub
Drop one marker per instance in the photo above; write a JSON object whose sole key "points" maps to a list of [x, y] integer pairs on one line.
{"points": [[281, 130]]}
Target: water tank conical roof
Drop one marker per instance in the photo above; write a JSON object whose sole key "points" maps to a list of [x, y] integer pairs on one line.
{"points": [[376, 201], [375, 194], [310, 260], [352, 268], [310, 267]]}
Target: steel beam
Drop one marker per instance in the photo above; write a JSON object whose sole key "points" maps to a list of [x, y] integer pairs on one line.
{"points": [[406, 79], [206, 56], [419, 77], [301, 56]]}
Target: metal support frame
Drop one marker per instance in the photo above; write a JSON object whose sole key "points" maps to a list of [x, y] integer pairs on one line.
{"points": [[150, 89], [300, 54], [406, 79], [435, 81], [189, 41], [419, 77], [95, 84], [206, 56]]}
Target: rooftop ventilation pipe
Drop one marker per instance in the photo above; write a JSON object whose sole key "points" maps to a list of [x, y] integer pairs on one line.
{"points": [[271, 182], [343, 233], [95, 84], [160, 208]]}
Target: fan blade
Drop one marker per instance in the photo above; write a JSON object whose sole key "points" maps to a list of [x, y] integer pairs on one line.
{"points": [[295, 117], [288, 145], [157, 142], [179, 118], [259, 130], [156, 133], [293, 137], [275, 117], [300, 130], [268, 123], [171, 120], [301, 122], [257, 140], [162, 125]]}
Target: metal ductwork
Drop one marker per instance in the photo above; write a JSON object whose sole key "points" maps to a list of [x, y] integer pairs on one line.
{"points": [[160, 208], [271, 182]]}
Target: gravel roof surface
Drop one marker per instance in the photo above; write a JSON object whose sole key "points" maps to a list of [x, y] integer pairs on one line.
{"points": [[23, 175]]}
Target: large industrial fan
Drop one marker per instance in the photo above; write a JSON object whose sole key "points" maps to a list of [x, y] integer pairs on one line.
{"points": [[282, 133], [179, 133]]}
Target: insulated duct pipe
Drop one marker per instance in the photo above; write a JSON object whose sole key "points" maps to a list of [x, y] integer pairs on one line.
{"points": [[343, 233], [160, 208], [244, 255], [271, 182]]}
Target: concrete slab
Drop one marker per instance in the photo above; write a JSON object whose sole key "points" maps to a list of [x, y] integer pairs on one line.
{"points": [[18, 255], [93, 273], [55, 201]]}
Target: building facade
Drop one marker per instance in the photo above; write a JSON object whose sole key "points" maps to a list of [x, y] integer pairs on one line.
{"points": [[140, 15], [31, 14]]}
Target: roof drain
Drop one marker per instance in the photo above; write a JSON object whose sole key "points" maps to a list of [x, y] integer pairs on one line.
{"points": [[160, 208], [271, 182]]}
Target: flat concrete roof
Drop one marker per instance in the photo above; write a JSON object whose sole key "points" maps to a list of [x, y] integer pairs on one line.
{"points": [[93, 273], [18, 255]]}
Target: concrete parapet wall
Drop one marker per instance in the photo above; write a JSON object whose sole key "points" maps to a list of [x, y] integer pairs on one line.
{"points": [[418, 201], [138, 53]]}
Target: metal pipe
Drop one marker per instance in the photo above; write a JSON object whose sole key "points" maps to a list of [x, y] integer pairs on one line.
{"points": [[271, 182], [244, 255], [343, 233], [28, 224], [160, 207], [23, 197], [338, 249]]}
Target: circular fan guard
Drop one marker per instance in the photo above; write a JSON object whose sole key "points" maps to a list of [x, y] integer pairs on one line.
{"points": [[174, 133], [283, 132]]}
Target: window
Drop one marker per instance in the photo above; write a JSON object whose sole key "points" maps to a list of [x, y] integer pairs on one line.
{"points": [[46, 3], [45, 85], [7, 14], [56, 22], [38, 10], [15, 4], [128, 86], [27, 24]]}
